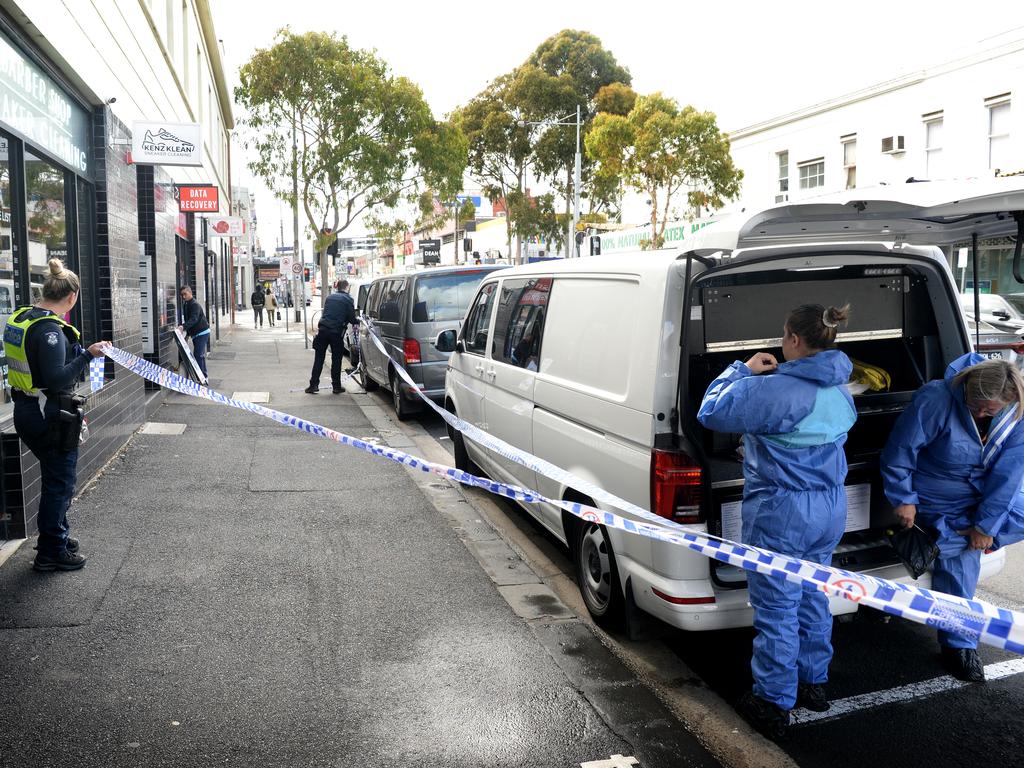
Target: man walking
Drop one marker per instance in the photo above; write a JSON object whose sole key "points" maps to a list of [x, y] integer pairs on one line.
{"points": [[339, 311], [195, 325], [257, 300]]}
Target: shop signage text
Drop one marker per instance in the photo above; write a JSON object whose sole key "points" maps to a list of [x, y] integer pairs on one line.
{"points": [[227, 226], [197, 198], [167, 143], [431, 251], [36, 107]]}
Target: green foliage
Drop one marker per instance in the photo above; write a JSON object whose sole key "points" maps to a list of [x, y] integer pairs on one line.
{"points": [[615, 99], [658, 149], [537, 219], [364, 137]]}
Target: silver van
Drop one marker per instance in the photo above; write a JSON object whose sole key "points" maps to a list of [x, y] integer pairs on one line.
{"points": [[408, 311]]}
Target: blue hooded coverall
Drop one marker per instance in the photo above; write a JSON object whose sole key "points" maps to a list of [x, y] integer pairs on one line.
{"points": [[794, 423], [936, 460]]}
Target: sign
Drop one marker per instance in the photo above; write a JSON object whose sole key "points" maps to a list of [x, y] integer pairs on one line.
{"points": [[268, 273], [286, 264], [296, 269], [197, 198], [181, 227], [37, 108], [284, 249], [431, 251], [226, 226], [166, 143], [188, 360]]}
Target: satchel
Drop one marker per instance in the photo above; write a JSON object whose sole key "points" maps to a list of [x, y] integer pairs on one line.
{"points": [[915, 546]]}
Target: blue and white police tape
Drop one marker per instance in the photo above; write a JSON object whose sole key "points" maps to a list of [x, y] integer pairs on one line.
{"points": [[926, 606], [96, 374], [971, 618]]}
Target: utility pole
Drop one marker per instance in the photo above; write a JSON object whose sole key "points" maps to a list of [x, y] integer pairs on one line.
{"points": [[576, 184]]}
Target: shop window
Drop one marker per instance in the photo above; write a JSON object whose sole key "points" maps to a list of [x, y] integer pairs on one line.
{"points": [[46, 216], [7, 275]]}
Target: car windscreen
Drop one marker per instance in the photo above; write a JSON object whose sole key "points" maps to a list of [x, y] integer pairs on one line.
{"points": [[445, 298]]}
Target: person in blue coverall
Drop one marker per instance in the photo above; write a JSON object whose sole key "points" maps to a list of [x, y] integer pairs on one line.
{"points": [[955, 462], [794, 418]]}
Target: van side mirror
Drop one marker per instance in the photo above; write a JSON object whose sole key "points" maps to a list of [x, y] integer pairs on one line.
{"points": [[1002, 314], [446, 342]]}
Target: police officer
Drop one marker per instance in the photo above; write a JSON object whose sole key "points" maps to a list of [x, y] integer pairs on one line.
{"points": [[45, 360], [339, 312]]}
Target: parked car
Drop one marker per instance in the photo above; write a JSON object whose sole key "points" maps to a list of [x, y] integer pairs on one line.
{"points": [[358, 290], [996, 344], [995, 310], [408, 311], [598, 365]]}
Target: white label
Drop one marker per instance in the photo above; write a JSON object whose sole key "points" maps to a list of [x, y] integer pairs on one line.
{"points": [[697, 312], [858, 512], [961, 258]]}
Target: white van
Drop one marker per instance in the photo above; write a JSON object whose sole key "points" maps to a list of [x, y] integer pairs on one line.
{"points": [[599, 364]]}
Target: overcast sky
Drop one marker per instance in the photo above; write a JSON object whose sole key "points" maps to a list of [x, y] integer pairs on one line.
{"points": [[745, 61]]}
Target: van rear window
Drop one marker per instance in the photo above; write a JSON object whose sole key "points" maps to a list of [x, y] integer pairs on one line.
{"points": [[445, 298]]}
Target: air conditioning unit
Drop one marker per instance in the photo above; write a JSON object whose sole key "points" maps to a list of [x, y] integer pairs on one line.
{"points": [[781, 198], [893, 145]]}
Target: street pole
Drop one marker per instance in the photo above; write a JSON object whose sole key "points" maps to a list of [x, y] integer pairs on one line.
{"points": [[295, 226], [576, 184]]}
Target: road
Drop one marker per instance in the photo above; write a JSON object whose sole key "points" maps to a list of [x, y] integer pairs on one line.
{"points": [[893, 704]]}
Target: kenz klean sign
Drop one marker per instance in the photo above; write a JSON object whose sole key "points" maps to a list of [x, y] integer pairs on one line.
{"points": [[197, 198], [167, 143]]}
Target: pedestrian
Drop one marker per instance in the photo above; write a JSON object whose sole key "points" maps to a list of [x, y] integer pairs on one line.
{"points": [[195, 326], [794, 418], [955, 462], [45, 362], [257, 301], [339, 311], [270, 301]]}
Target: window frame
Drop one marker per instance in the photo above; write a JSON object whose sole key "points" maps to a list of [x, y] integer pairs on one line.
{"points": [[931, 153], [802, 178], [782, 181], [991, 105], [849, 168], [493, 286], [524, 285]]}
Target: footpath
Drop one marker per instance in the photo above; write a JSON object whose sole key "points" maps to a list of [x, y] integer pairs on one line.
{"points": [[256, 596]]}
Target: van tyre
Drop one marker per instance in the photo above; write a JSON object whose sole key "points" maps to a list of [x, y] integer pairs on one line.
{"points": [[364, 379], [403, 408], [598, 576]]}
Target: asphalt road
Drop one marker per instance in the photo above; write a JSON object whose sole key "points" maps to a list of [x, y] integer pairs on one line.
{"points": [[893, 703]]}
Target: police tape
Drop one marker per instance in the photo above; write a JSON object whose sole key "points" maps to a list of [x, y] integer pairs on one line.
{"points": [[975, 619]]}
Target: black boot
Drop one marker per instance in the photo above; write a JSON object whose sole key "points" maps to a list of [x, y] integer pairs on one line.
{"points": [[769, 720], [812, 697], [964, 664], [62, 561]]}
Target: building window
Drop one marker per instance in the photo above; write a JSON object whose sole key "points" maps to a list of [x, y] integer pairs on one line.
{"points": [[849, 160], [999, 136], [933, 146], [783, 172], [812, 173]]}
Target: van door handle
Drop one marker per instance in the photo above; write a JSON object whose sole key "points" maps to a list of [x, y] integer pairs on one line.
{"points": [[479, 369], [491, 373]]}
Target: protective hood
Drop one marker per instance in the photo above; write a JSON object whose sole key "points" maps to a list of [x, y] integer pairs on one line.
{"points": [[961, 363], [829, 368]]}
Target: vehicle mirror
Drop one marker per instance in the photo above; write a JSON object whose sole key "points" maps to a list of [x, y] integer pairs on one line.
{"points": [[1002, 314], [445, 341]]}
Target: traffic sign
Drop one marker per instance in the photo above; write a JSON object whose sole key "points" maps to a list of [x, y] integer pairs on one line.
{"points": [[286, 264], [296, 269]]}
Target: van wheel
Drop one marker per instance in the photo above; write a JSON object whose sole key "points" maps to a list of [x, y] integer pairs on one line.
{"points": [[598, 576], [403, 408], [364, 379]]}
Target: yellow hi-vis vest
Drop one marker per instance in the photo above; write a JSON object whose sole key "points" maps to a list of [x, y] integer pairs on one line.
{"points": [[19, 374]]}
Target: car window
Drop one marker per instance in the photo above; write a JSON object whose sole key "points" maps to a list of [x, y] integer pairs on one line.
{"points": [[474, 332], [445, 298], [392, 295], [520, 323], [364, 292]]}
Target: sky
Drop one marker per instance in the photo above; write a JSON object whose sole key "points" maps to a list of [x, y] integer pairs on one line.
{"points": [[745, 61]]}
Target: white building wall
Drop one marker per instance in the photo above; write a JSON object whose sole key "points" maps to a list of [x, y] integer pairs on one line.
{"points": [[957, 91], [152, 57]]}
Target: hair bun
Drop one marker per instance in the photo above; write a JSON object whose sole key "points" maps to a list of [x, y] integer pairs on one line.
{"points": [[834, 316], [56, 267]]}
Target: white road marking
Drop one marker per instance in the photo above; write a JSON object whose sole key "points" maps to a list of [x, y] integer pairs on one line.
{"points": [[910, 692], [616, 761]]}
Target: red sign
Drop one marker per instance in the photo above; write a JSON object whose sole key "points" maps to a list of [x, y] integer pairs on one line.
{"points": [[181, 227], [197, 198]]}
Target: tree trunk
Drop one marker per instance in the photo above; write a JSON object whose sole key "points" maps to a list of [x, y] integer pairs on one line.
{"points": [[324, 290], [654, 217]]}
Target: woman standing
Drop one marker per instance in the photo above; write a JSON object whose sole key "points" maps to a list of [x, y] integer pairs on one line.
{"points": [[271, 305], [45, 361], [794, 418], [955, 461]]}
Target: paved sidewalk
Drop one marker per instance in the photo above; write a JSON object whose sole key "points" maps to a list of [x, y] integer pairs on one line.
{"points": [[256, 596]]}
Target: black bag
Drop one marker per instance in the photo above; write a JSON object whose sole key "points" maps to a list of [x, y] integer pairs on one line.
{"points": [[915, 546], [279, 314]]}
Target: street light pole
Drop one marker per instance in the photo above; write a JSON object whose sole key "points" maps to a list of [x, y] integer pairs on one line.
{"points": [[578, 171]]}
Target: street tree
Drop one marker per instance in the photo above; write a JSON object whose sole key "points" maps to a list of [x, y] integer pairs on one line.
{"points": [[659, 149], [338, 134], [567, 70]]}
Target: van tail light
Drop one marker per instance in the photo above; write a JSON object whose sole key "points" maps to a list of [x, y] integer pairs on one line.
{"points": [[411, 348], [676, 486]]}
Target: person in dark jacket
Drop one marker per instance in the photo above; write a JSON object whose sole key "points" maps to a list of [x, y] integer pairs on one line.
{"points": [[257, 300], [45, 361], [195, 326], [339, 312]]}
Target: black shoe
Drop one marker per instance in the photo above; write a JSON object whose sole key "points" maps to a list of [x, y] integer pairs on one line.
{"points": [[72, 545], [964, 664], [311, 390], [337, 390], [768, 719], [812, 697], [63, 561]]}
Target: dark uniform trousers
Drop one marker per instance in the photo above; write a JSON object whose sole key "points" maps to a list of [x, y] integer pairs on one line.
{"points": [[57, 469], [321, 342]]}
